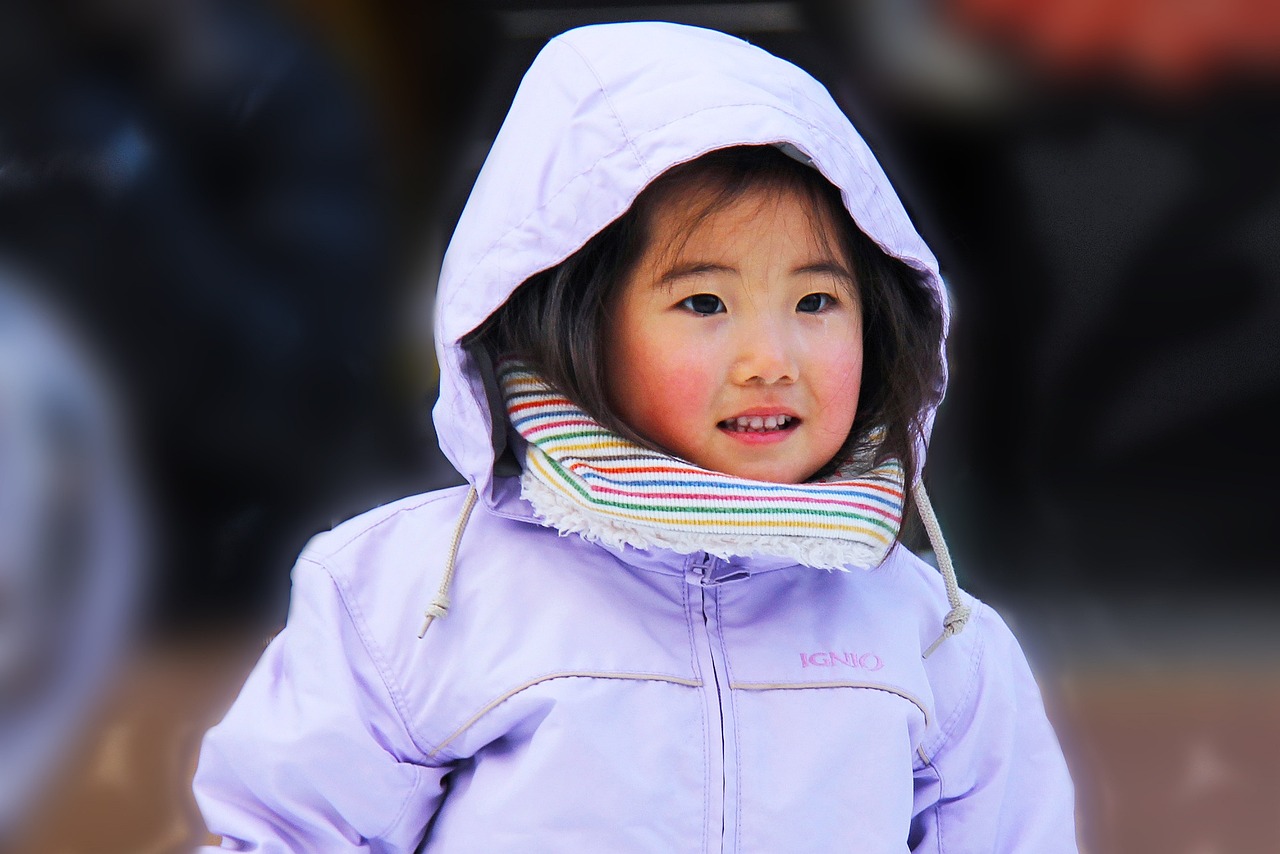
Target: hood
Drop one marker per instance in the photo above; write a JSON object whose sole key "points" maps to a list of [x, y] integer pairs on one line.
{"points": [[603, 111]]}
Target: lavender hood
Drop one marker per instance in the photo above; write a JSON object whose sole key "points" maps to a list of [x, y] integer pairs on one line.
{"points": [[602, 112]]}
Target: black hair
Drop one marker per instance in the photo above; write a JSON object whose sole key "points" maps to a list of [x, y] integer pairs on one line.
{"points": [[557, 321]]}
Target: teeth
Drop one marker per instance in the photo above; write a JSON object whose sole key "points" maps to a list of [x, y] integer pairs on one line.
{"points": [[757, 423]]}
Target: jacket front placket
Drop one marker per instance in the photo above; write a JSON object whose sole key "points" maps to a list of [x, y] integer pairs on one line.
{"points": [[707, 573]]}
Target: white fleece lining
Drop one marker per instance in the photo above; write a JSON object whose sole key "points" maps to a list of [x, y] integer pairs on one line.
{"points": [[558, 510]]}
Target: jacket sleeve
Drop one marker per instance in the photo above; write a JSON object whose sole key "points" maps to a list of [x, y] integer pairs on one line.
{"points": [[314, 754], [995, 780]]}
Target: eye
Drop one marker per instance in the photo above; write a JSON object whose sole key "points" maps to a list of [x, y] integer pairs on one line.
{"points": [[814, 303], [703, 304]]}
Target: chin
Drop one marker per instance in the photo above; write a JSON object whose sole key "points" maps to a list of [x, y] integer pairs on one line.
{"points": [[768, 474]]}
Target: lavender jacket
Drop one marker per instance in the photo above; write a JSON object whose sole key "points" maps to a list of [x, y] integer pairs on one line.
{"points": [[580, 698]]}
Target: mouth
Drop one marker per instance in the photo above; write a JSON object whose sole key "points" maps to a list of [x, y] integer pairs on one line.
{"points": [[760, 423]]}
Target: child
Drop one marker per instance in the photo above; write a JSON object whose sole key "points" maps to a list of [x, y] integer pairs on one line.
{"points": [[690, 348]]}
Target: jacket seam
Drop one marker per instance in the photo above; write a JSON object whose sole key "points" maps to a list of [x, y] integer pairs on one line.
{"points": [[492, 704], [371, 649], [404, 804], [975, 667], [809, 686], [428, 498], [937, 806]]}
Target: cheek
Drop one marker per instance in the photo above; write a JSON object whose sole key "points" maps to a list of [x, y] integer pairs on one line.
{"points": [[681, 385], [657, 380], [841, 384], [668, 390]]}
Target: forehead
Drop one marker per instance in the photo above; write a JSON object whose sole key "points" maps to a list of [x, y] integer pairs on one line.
{"points": [[704, 219]]}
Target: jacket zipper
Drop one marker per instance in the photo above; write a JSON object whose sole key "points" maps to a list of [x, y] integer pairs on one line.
{"points": [[707, 573]]}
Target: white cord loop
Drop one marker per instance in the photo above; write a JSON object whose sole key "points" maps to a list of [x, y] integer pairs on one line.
{"points": [[954, 622], [440, 605]]}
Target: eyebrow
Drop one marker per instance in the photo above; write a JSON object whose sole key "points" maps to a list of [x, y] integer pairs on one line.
{"points": [[693, 268], [696, 268], [829, 268]]}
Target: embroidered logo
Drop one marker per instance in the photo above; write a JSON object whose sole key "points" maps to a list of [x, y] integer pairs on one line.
{"points": [[861, 661]]}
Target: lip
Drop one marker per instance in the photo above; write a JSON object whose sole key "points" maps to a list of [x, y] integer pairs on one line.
{"points": [[762, 411], [763, 437], [753, 439]]}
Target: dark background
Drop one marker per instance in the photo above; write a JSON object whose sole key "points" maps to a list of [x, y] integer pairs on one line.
{"points": [[243, 207], [246, 239]]}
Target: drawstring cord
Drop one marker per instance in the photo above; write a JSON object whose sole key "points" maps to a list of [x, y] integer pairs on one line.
{"points": [[440, 605], [953, 623]]}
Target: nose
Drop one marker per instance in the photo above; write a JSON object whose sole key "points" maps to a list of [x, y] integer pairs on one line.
{"points": [[766, 355]]}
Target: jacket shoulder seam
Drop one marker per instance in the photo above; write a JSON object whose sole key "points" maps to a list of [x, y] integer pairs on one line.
{"points": [[426, 499], [975, 667], [389, 684]]}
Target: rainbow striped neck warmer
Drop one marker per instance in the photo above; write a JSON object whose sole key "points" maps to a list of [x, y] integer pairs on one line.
{"points": [[583, 479]]}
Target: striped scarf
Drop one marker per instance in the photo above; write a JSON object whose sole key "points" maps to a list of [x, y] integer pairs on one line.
{"points": [[583, 479]]}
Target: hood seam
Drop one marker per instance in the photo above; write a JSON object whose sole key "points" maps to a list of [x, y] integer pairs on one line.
{"points": [[613, 111], [630, 145]]}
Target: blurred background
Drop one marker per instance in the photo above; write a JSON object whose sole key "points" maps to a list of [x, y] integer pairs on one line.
{"points": [[220, 226]]}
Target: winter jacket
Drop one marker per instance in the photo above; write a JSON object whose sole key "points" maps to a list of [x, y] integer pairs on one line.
{"points": [[569, 696]]}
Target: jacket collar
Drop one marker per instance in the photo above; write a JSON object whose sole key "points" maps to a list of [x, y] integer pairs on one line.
{"points": [[508, 503]]}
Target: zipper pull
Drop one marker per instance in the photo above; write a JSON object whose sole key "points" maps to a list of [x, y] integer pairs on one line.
{"points": [[705, 570], [698, 568]]}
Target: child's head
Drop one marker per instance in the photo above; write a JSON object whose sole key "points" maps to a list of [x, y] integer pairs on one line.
{"points": [[736, 317]]}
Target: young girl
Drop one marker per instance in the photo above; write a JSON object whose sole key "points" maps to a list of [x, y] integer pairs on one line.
{"points": [[690, 348]]}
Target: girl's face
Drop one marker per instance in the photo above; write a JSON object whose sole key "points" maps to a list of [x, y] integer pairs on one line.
{"points": [[739, 339]]}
